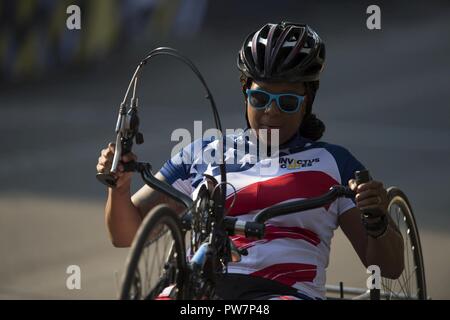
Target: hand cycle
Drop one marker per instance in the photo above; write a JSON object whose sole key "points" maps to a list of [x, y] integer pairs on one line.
{"points": [[208, 229], [211, 248]]}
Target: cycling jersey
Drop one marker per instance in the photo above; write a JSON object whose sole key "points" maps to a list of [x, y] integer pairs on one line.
{"points": [[295, 249]]}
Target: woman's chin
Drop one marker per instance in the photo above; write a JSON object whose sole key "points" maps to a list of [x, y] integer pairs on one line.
{"points": [[269, 138]]}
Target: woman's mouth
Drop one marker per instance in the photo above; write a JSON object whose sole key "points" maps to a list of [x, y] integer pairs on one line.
{"points": [[270, 127]]}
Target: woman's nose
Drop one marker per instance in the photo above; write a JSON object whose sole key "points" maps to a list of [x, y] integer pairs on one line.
{"points": [[272, 108]]}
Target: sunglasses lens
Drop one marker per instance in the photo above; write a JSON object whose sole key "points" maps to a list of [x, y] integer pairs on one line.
{"points": [[289, 103], [259, 99]]}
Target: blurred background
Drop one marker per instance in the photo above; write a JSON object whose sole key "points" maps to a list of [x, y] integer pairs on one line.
{"points": [[384, 95]]}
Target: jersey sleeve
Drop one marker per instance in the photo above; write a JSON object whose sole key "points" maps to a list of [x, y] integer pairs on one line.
{"points": [[177, 170]]}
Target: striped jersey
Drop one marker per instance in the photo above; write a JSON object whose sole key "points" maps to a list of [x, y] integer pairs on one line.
{"points": [[295, 249]]}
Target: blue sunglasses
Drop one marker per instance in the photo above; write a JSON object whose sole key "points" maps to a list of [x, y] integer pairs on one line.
{"points": [[287, 102]]}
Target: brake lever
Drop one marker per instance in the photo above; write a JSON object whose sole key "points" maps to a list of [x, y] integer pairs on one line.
{"points": [[109, 179], [127, 129]]}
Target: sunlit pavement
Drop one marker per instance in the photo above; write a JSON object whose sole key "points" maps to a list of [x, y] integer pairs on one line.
{"points": [[44, 236]]}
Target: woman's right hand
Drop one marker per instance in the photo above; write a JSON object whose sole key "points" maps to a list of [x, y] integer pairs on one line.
{"points": [[105, 162]]}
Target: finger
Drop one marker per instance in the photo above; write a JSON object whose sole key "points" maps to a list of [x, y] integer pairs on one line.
{"points": [[369, 185], [100, 168], [373, 201], [107, 153], [104, 161], [367, 194], [111, 148]]}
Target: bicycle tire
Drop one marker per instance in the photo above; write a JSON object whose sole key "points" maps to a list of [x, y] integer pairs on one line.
{"points": [[411, 238], [158, 218]]}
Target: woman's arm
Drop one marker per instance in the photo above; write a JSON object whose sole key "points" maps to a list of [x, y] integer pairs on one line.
{"points": [[124, 213], [385, 251], [383, 248], [145, 199]]}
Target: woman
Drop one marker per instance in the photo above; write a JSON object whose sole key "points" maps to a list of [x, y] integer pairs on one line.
{"points": [[280, 66]]}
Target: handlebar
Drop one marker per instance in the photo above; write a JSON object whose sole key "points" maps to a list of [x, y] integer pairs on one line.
{"points": [[303, 205], [145, 169], [255, 228], [234, 226]]}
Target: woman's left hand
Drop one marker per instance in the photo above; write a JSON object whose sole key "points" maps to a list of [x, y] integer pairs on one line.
{"points": [[370, 195]]}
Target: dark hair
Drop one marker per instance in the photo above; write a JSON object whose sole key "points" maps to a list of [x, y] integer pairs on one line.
{"points": [[312, 127]]}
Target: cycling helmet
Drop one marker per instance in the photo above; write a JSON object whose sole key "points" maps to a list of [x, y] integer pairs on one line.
{"points": [[284, 52]]}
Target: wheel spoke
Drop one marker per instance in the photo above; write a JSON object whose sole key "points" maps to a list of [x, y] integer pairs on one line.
{"points": [[407, 247], [386, 285], [404, 285], [146, 280], [407, 280], [405, 275], [156, 249], [391, 292]]}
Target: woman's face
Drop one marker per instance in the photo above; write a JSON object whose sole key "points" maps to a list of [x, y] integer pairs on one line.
{"points": [[274, 118]]}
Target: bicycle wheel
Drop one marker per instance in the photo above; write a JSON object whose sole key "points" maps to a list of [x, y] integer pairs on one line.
{"points": [[411, 283], [157, 259]]}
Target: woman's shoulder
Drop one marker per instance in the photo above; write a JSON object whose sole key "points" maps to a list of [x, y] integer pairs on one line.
{"points": [[333, 148], [346, 161], [339, 152]]}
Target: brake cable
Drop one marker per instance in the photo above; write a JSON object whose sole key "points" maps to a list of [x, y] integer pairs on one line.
{"points": [[127, 125]]}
